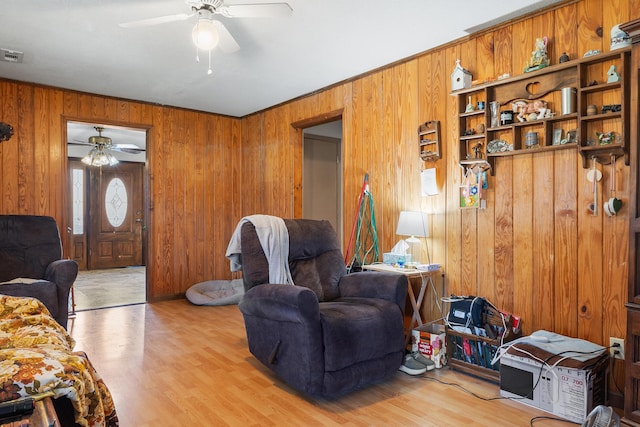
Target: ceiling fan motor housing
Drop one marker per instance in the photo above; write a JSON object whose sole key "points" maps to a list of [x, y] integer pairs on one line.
{"points": [[212, 5], [99, 139]]}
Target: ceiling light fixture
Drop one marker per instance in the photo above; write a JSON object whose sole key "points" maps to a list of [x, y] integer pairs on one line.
{"points": [[205, 34], [98, 157]]}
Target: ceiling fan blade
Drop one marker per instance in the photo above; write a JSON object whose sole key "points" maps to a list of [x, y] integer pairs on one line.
{"points": [[126, 150], [127, 145], [156, 21], [227, 43], [78, 142], [257, 10]]}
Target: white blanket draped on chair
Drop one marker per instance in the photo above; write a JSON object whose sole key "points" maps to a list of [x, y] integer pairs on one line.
{"points": [[274, 239]]}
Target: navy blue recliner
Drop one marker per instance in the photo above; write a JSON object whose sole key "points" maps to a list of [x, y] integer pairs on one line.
{"points": [[331, 333], [31, 263]]}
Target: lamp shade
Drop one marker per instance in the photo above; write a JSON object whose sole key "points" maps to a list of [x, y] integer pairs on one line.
{"points": [[412, 223]]}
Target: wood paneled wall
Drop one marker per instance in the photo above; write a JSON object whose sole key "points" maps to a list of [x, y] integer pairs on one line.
{"points": [[193, 189], [534, 251]]}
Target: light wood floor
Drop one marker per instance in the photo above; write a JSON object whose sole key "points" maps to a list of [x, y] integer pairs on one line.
{"points": [[175, 364]]}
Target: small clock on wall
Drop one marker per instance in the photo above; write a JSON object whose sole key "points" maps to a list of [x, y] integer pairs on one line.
{"points": [[6, 131]]}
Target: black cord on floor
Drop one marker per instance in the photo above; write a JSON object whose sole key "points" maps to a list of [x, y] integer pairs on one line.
{"points": [[464, 389], [544, 417]]}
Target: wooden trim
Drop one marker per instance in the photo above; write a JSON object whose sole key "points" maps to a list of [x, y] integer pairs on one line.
{"points": [[319, 120], [633, 29]]}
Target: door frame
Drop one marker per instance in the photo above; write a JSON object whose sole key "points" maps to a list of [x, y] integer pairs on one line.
{"points": [[146, 202], [321, 119]]}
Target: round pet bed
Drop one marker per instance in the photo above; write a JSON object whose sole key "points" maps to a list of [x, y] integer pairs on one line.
{"points": [[216, 292]]}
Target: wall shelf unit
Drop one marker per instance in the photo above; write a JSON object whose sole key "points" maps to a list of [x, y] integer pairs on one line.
{"points": [[485, 137], [429, 140]]}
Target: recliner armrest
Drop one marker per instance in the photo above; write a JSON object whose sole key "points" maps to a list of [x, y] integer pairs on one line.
{"points": [[62, 272], [285, 303], [373, 284]]}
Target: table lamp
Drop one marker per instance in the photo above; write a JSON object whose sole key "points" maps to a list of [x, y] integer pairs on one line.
{"points": [[414, 224]]}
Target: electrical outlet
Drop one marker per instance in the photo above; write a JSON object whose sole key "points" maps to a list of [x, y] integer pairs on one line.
{"points": [[619, 349]]}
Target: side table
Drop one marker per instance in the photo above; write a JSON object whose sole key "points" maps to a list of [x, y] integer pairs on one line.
{"points": [[44, 415], [416, 303]]}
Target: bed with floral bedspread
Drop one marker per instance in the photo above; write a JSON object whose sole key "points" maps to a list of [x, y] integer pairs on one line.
{"points": [[37, 359]]}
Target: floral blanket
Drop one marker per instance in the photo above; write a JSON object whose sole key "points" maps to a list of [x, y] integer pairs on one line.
{"points": [[36, 359]]}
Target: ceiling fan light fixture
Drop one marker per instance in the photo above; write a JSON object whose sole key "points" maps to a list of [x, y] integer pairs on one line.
{"points": [[205, 35], [98, 157]]}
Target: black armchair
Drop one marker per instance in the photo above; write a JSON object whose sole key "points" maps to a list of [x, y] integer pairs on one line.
{"points": [[332, 332], [31, 264]]}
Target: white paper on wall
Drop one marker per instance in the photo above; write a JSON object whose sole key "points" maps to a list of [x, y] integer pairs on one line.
{"points": [[428, 182]]}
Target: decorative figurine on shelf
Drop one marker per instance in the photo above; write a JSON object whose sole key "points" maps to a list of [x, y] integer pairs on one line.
{"points": [[529, 111], [460, 78], [592, 52], [564, 57], [611, 108], [494, 106], [619, 38], [469, 108], [606, 138], [477, 151], [613, 75], [539, 57]]}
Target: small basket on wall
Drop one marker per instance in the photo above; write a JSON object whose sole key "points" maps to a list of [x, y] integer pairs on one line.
{"points": [[6, 131]]}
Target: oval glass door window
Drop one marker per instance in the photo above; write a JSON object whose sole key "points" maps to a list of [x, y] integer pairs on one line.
{"points": [[115, 202]]}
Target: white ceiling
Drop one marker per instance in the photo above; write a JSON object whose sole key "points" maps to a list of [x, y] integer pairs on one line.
{"points": [[77, 44]]}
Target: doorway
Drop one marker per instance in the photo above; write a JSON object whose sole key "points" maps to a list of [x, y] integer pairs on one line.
{"points": [[322, 174], [107, 205]]}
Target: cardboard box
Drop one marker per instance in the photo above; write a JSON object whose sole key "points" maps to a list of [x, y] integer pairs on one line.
{"points": [[430, 340], [391, 258]]}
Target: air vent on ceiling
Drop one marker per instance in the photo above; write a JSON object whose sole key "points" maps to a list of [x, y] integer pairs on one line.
{"points": [[8, 55]]}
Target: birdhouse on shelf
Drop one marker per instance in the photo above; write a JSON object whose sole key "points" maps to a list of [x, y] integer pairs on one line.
{"points": [[460, 78]]}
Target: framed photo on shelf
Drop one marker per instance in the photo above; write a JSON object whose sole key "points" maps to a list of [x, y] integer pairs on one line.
{"points": [[557, 137]]}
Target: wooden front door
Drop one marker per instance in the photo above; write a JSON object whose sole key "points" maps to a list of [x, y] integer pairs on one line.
{"points": [[115, 216]]}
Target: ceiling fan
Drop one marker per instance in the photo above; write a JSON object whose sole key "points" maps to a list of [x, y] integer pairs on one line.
{"points": [[209, 32], [100, 154]]}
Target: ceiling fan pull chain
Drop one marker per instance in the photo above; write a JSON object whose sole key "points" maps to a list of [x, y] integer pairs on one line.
{"points": [[209, 72]]}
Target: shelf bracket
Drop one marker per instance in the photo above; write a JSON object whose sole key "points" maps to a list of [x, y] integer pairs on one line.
{"points": [[476, 166]]}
